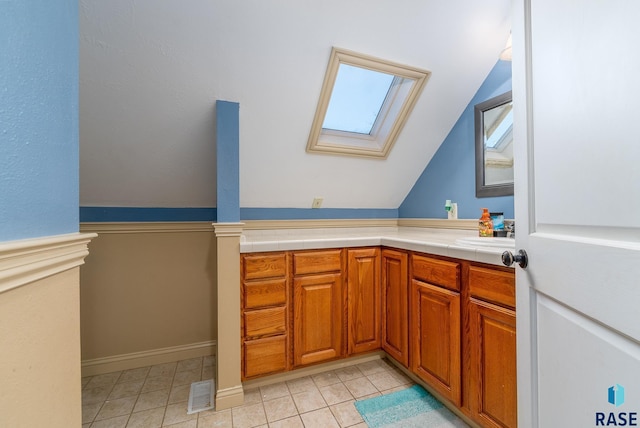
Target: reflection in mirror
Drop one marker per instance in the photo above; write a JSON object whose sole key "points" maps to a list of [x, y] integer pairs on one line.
{"points": [[494, 146]]}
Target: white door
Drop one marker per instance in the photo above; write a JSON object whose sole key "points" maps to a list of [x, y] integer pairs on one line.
{"points": [[576, 93]]}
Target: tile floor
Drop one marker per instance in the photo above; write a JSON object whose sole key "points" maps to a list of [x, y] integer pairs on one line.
{"points": [[157, 396]]}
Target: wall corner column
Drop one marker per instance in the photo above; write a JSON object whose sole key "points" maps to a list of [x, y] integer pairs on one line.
{"points": [[229, 392], [227, 161], [228, 229], [40, 330]]}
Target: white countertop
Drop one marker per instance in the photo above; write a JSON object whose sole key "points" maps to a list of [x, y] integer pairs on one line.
{"points": [[426, 240]]}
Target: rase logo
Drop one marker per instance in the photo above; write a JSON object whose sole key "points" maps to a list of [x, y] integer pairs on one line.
{"points": [[615, 396]]}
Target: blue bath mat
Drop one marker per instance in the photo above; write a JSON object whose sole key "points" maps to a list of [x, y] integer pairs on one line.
{"points": [[411, 407]]}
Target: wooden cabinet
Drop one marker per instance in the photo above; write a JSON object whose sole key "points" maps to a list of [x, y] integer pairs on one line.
{"points": [[395, 304], [334, 308], [436, 325], [451, 322], [363, 300], [492, 396], [264, 309], [318, 306]]}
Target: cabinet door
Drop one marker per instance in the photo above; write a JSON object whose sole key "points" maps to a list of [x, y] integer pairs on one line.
{"points": [[492, 398], [395, 305], [435, 329], [317, 320], [363, 300]]}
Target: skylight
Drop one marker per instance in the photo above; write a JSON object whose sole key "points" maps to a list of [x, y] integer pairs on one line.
{"points": [[363, 105], [356, 99]]}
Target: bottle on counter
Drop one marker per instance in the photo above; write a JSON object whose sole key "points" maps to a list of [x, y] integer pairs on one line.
{"points": [[485, 224], [498, 224]]}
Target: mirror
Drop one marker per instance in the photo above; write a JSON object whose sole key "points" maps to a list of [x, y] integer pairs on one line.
{"points": [[494, 146]]}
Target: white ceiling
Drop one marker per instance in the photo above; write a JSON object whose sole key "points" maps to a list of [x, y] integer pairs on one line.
{"points": [[151, 70]]}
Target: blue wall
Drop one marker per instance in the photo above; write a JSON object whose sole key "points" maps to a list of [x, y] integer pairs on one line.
{"points": [[38, 118], [316, 213], [228, 161], [451, 172]]}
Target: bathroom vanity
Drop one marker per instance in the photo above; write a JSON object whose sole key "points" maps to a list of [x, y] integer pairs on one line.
{"points": [[441, 308]]}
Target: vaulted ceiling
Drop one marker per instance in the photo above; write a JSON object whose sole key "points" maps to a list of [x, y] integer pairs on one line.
{"points": [[151, 70]]}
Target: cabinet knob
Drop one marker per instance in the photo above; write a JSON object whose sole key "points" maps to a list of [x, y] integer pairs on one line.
{"points": [[521, 258]]}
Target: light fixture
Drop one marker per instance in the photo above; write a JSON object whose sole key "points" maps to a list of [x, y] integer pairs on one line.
{"points": [[505, 55]]}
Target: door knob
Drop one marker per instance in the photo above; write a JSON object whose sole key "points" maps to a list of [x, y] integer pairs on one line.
{"points": [[521, 258]]}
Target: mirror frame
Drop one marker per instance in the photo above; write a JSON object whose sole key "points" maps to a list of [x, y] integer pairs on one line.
{"points": [[483, 190]]}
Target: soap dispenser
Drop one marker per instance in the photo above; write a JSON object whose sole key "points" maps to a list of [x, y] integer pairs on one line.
{"points": [[485, 224]]}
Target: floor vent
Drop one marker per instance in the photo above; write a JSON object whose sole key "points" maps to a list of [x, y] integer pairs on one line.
{"points": [[200, 396]]}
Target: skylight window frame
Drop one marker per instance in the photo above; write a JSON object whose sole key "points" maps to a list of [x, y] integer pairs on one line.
{"points": [[407, 85]]}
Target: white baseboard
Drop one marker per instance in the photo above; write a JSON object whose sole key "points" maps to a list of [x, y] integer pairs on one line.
{"points": [[152, 357], [230, 397]]}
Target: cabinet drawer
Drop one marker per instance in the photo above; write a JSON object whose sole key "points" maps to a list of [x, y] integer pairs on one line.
{"points": [[263, 322], [265, 356], [265, 293], [317, 262], [493, 286], [437, 272], [264, 266]]}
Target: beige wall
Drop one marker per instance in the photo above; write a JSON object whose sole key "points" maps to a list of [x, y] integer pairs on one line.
{"points": [[40, 353], [146, 288]]}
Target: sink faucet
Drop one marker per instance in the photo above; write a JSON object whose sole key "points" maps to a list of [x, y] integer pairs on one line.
{"points": [[510, 227]]}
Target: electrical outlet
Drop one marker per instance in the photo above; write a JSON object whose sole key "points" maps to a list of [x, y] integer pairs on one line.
{"points": [[317, 203]]}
